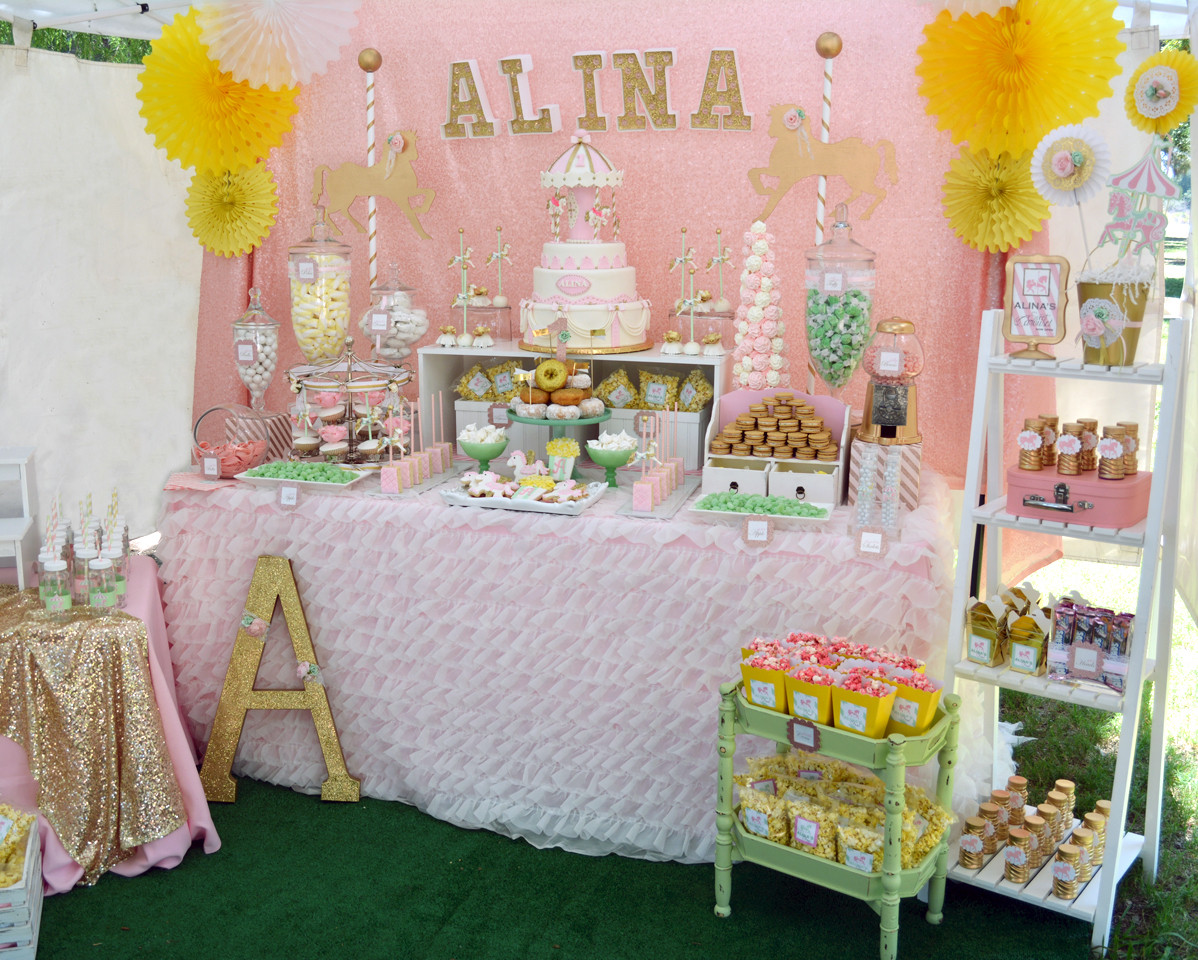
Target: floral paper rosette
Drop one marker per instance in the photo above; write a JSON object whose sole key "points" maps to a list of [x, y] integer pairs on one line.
{"points": [[1162, 91], [198, 113], [231, 213], [1001, 82], [1101, 322], [1070, 165], [991, 203]]}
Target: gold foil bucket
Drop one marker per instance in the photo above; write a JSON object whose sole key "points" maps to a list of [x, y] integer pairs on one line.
{"points": [[1131, 298]]}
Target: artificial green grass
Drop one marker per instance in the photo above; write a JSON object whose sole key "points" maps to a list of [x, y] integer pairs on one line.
{"points": [[297, 878]]}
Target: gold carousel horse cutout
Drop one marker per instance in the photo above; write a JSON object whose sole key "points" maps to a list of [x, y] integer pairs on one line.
{"points": [[797, 155], [394, 180]]}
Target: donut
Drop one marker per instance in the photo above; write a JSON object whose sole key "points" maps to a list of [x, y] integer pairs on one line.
{"points": [[551, 375], [530, 394], [579, 380], [567, 396], [591, 407]]}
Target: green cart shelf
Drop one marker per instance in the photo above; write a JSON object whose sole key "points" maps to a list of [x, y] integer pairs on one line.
{"points": [[889, 758]]}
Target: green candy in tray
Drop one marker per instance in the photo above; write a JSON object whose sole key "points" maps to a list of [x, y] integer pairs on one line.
{"points": [[308, 472], [730, 502]]}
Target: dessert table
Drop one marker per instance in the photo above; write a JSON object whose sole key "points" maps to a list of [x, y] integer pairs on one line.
{"points": [[88, 713], [553, 678]]}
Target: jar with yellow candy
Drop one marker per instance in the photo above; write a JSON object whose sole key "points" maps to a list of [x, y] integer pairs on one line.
{"points": [[319, 270]]}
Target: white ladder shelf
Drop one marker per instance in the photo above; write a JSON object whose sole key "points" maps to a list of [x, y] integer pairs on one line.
{"points": [[1156, 536]]}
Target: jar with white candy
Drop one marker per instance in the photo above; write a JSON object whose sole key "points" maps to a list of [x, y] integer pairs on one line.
{"points": [[256, 349], [390, 321], [319, 273]]}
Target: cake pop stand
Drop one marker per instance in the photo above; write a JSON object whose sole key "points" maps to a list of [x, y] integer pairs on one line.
{"points": [[557, 428]]}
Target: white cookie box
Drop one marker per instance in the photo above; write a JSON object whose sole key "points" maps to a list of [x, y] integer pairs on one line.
{"points": [[21, 906], [692, 428]]}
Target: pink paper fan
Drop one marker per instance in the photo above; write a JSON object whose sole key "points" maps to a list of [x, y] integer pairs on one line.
{"points": [[276, 43]]}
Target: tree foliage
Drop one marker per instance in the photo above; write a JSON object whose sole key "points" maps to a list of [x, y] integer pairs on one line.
{"points": [[85, 46]]}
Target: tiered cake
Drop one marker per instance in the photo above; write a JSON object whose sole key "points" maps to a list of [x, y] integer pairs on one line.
{"points": [[584, 285]]}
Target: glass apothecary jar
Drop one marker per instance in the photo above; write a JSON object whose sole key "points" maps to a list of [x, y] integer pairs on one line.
{"points": [[256, 349], [319, 270], [894, 353], [840, 290]]}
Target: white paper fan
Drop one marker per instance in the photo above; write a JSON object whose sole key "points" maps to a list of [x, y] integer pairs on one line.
{"points": [[276, 43]]}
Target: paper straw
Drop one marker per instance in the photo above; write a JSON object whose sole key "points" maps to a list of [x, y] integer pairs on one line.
{"points": [[420, 422], [825, 122], [371, 213]]}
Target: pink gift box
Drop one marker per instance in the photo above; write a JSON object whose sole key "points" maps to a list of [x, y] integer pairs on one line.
{"points": [[642, 495]]}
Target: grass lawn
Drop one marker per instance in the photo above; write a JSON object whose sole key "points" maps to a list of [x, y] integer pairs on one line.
{"points": [[1160, 921]]}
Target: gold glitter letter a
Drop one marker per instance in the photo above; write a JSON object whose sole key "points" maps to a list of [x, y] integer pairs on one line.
{"points": [[273, 580]]}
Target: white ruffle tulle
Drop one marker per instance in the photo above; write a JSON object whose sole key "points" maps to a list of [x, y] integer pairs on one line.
{"points": [[544, 677]]}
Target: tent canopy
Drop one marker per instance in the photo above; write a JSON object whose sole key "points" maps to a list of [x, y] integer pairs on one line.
{"points": [[121, 18]]}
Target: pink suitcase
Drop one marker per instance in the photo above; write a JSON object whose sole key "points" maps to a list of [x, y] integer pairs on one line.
{"points": [[1113, 504]]}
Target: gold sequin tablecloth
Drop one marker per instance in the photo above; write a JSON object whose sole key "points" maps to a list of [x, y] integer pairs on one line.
{"points": [[75, 693]]}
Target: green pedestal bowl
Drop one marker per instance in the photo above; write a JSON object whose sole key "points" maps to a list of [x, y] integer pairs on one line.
{"points": [[484, 453], [610, 460]]}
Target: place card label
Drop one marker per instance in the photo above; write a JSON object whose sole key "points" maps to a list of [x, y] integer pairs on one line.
{"points": [[619, 397], [479, 384], [686, 396], [758, 822], [806, 831], [769, 786], [859, 860], [763, 693], [871, 541], [211, 467], [905, 711], [503, 382], [497, 415], [979, 648], [246, 353], [288, 495], [1024, 657], [757, 531], [803, 735], [656, 393], [806, 706], [852, 716], [305, 269], [890, 361], [833, 282]]}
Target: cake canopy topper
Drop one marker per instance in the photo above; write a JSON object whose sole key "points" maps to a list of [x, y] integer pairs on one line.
{"points": [[581, 171]]}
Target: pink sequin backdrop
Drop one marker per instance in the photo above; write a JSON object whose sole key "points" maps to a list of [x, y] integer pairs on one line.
{"points": [[675, 178]]}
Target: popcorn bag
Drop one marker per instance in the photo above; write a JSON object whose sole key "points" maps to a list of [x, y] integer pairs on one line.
{"points": [[915, 703], [765, 683], [809, 693], [863, 707]]}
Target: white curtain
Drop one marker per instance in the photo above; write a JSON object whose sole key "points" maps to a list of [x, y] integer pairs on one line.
{"points": [[99, 286]]}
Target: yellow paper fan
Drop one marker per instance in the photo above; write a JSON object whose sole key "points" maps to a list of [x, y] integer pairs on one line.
{"points": [[200, 115], [992, 204], [1162, 91], [276, 44], [1002, 82], [231, 213]]}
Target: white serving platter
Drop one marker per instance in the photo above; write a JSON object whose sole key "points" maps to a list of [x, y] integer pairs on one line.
{"points": [[458, 498], [736, 518], [312, 486]]}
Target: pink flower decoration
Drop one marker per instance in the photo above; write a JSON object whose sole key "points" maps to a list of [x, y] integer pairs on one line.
{"points": [[301, 669], [761, 363], [742, 311], [775, 296], [762, 344], [756, 381], [328, 398], [333, 433], [769, 238], [753, 281], [772, 313], [375, 397], [769, 327], [790, 119], [746, 297], [1062, 163], [755, 330], [1091, 325], [257, 627], [393, 425], [749, 238], [767, 269]]}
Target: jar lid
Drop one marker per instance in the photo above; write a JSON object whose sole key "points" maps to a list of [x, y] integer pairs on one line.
{"points": [[111, 553], [254, 314], [86, 553], [55, 566], [100, 564], [895, 325]]}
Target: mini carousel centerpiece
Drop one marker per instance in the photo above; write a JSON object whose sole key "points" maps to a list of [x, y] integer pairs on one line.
{"points": [[348, 410]]}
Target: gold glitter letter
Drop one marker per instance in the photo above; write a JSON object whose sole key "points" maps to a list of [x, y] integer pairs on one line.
{"points": [[549, 118], [721, 62], [655, 97], [594, 120], [273, 580], [467, 98]]}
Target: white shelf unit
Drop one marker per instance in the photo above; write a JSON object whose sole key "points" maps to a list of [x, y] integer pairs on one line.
{"points": [[1155, 536], [440, 368], [18, 510]]}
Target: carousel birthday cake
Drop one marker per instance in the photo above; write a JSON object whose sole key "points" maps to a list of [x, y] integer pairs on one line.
{"points": [[584, 285]]}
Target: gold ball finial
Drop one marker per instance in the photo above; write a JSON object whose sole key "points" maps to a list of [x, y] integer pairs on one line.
{"points": [[370, 60], [828, 45]]}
